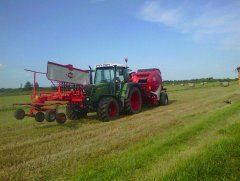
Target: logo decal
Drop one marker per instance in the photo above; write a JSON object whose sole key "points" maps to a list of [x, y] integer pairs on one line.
{"points": [[70, 75]]}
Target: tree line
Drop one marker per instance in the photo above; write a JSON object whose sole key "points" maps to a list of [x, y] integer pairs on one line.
{"points": [[23, 90], [209, 79]]}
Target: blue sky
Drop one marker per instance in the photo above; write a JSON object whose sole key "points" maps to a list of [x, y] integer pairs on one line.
{"points": [[185, 39]]}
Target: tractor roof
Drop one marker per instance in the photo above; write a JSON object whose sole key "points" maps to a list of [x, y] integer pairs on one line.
{"points": [[110, 65]]}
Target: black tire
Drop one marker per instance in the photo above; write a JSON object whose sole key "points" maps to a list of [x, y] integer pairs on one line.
{"points": [[130, 106], [50, 115], [39, 116], [108, 109], [19, 114], [61, 118], [164, 99], [75, 113]]}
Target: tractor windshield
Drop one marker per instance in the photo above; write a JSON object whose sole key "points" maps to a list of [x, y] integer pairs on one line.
{"points": [[104, 75]]}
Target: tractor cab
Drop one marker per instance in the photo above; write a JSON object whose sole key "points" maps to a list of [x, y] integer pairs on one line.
{"points": [[108, 80], [110, 73]]}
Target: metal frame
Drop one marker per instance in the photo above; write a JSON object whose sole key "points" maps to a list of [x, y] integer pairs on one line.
{"points": [[66, 93]]}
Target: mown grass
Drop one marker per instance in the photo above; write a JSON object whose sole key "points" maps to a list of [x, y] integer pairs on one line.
{"points": [[157, 144], [124, 164], [220, 161], [6, 103], [179, 87]]}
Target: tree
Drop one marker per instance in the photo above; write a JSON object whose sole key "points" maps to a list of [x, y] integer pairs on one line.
{"points": [[28, 86]]}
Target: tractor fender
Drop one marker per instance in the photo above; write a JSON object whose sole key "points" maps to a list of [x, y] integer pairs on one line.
{"points": [[130, 86], [109, 95]]}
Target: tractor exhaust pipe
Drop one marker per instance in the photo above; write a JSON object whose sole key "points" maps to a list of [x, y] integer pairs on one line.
{"points": [[90, 69]]}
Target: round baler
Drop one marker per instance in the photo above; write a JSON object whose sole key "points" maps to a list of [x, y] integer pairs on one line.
{"points": [[152, 89]]}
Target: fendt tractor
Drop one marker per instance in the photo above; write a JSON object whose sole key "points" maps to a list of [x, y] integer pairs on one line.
{"points": [[113, 90]]}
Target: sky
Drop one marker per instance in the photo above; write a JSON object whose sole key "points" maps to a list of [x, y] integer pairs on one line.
{"points": [[186, 39]]}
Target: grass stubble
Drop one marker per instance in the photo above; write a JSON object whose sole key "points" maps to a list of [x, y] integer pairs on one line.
{"points": [[195, 137]]}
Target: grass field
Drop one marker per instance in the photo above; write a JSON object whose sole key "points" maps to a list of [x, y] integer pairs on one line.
{"points": [[195, 137]]}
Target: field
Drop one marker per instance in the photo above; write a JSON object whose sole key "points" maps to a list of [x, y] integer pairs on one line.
{"points": [[195, 137]]}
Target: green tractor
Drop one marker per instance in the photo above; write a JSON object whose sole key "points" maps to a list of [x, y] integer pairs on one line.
{"points": [[115, 90], [111, 93]]}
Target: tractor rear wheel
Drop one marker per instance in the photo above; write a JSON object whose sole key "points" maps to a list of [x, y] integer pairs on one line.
{"points": [[108, 109], [50, 115], [133, 104], [75, 113], [19, 114], [61, 118], [163, 99]]}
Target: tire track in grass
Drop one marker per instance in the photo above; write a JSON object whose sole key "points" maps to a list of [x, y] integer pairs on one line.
{"points": [[124, 164]]}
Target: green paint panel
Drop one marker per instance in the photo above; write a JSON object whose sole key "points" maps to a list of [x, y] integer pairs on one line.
{"points": [[124, 90], [101, 89]]}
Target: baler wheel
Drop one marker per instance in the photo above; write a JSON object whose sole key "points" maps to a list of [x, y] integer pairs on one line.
{"points": [[75, 113], [19, 114], [61, 118], [164, 99], [50, 115], [108, 109], [133, 104], [39, 116]]}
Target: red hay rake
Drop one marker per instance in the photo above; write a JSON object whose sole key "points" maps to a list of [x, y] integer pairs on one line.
{"points": [[44, 104]]}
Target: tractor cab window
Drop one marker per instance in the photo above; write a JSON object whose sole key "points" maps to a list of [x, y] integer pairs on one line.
{"points": [[104, 75], [120, 74]]}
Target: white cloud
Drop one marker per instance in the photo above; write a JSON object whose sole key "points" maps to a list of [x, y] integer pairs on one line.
{"points": [[211, 20], [153, 12]]}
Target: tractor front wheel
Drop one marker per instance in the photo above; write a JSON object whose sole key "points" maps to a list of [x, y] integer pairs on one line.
{"points": [[108, 109], [75, 113], [133, 104]]}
